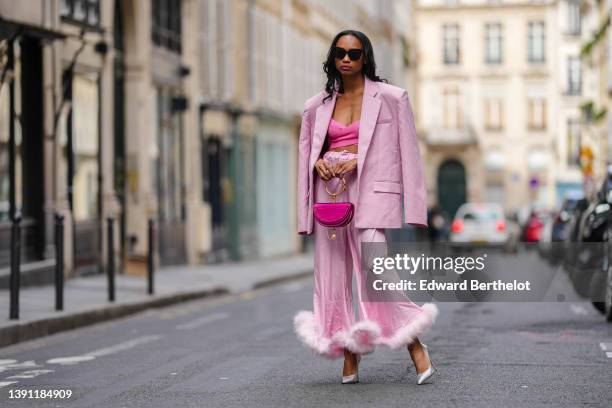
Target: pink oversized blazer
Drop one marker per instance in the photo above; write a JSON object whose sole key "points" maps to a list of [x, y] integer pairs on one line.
{"points": [[388, 159]]}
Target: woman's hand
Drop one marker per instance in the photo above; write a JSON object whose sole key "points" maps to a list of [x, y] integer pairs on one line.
{"points": [[324, 169], [341, 168]]}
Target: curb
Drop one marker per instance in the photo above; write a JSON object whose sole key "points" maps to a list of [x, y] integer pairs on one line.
{"points": [[44, 327]]}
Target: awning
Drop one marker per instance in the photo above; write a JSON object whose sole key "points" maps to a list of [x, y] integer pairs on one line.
{"points": [[8, 29]]}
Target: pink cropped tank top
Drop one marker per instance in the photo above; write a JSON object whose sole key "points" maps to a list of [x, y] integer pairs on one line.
{"points": [[340, 135]]}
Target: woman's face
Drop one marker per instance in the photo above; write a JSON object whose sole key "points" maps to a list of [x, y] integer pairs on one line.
{"points": [[344, 65]]}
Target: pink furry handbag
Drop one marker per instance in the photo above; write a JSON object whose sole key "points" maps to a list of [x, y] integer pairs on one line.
{"points": [[334, 214]]}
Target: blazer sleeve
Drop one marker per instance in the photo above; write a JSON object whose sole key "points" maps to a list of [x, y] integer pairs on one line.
{"points": [[302, 173], [413, 180]]}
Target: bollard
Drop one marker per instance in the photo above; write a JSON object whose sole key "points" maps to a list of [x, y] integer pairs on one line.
{"points": [[15, 265], [110, 262], [59, 262], [150, 259]]}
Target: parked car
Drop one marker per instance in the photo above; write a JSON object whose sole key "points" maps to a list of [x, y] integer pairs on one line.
{"points": [[480, 224], [545, 240], [588, 251], [589, 246], [597, 232], [559, 226], [571, 246], [602, 282], [514, 232]]}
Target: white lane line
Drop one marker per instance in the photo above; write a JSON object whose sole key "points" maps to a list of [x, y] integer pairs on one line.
{"points": [[609, 354], [30, 374], [69, 360], [193, 324], [17, 366], [605, 346], [11, 364], [104, 351], [124, 346], [5, 383]]}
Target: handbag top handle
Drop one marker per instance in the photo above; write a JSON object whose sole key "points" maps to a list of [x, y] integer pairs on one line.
{"points": [[336, 193]]}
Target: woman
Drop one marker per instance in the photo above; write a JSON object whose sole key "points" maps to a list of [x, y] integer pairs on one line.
{"points": [[367, 126]]}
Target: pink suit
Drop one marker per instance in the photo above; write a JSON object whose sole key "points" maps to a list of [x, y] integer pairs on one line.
{"points": [[388, 163]]}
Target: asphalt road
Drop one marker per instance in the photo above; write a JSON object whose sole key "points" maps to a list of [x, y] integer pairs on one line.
{"points": [[240, 351]]}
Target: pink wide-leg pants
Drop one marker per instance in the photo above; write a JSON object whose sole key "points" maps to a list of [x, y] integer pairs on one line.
{"points": [[331, 327]]}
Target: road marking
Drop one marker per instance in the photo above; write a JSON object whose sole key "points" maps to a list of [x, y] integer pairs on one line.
{"points": [[30, 374], [104, 351], [69, 360], [17, 366], [5, 383], [202, 321], [609, 354], [605, 346], [124, 346], [12, 364]]}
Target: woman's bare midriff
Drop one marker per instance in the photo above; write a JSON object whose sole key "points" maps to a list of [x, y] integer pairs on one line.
{"points": [[350, 148]]}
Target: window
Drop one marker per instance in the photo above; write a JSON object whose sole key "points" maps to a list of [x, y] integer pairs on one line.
{"points": [[215, 49], [166, 24], [85, 146], [85, 12], [537, 159], [451, 43], [493, 114], [573, 17], [168, 158], [574, 76], [452, 108], [493, 43], [495, 160], [573, 142], [536, 41], [536, 113]]}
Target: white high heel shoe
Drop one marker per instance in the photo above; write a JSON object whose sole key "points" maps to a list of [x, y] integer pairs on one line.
{"points": [[353, 378], [425, 375]]}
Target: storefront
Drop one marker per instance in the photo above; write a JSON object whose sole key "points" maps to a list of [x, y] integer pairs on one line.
{"points": [[21, 142]]}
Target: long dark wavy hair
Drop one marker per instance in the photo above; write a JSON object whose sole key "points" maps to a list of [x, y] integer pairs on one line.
{"points": [[329, 65]]}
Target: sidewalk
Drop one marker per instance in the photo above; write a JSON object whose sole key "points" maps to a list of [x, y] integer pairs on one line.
{"points": [[86, 298]]}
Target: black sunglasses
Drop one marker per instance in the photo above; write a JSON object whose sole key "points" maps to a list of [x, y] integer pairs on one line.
{"points": [[354, 53]]}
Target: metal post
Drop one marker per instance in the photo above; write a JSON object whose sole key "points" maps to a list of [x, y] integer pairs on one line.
{"points": [[59, 262], [15, 266], [110, 264], [150, 259], [12, 143]]}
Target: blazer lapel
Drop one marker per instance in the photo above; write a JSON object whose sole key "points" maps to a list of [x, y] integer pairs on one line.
{"points": [[323, 116], [370, 107]]}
